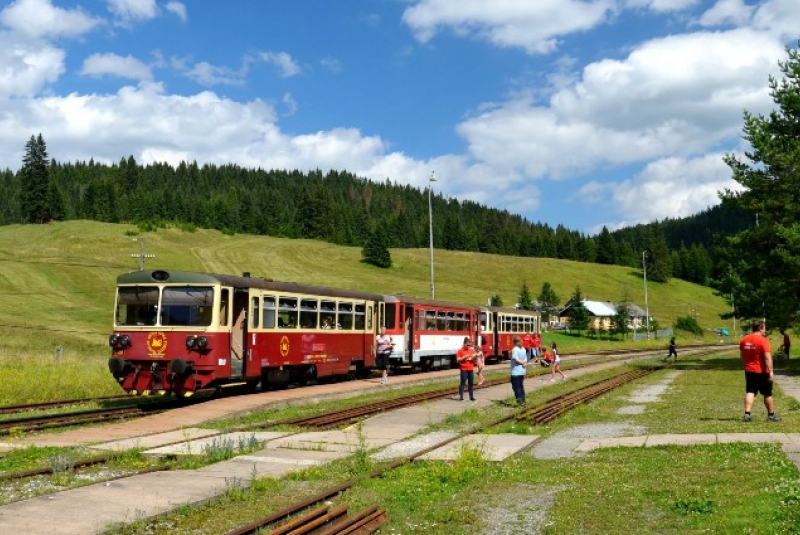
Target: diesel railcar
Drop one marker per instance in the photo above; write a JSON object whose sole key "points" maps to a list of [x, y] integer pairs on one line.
{"points": [[179, 332]]}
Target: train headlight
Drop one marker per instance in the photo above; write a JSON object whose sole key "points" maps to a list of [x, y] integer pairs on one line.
{"points": [[202, 342], [113, 340], [125, 341], [191, 342]]}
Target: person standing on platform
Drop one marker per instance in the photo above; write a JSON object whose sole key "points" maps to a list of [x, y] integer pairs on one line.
{"points": [[383, 351], [519, 362], [535, 345], [466, 361], [556, 363], [527, 344], [758, 372]]}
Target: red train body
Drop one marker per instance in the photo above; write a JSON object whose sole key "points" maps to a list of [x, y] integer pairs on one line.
{"points": [[179, 332]]}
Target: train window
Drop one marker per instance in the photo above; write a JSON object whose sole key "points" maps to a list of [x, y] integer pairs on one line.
{"points": [[268, 311], [187, 306], [416, 320], [308, 314], [483, 322], [430, 320], [451, 321], [461, 322], [345, 319], [137, 305], [254, 315], [287, 313], [224, 300], [327, 314], [390, 316], [360, 319], [441, 321], [369, 318]]}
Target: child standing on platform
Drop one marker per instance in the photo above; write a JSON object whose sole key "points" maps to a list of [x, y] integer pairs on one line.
{"points": [[556, 363]]}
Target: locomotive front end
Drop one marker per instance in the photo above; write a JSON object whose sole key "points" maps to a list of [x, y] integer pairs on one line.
{"points": [[166, 337]]}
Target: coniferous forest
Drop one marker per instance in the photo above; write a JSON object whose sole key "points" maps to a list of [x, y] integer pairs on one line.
{"points": [[338, 207]]}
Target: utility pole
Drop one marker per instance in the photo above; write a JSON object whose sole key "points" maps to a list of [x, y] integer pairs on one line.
{"points": [[142, 255], [646, 307]]}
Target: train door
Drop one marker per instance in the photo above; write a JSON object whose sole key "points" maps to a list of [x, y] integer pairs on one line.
{"points": [[238, 351]]}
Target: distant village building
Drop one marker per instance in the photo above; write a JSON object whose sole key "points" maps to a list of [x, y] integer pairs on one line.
{"points": [[603, 313]]}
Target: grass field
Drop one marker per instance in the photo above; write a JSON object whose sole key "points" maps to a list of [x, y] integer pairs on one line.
{"points": [[57, 289]]}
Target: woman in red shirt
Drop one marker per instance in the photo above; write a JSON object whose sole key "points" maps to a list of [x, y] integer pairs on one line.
{"points": [[466, 358]]}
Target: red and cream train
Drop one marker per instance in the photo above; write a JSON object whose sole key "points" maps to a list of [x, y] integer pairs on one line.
{"points": [[179, 332]]}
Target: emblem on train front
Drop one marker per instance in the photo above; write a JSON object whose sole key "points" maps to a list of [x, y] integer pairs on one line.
{"points": [[156, 343], [284, 346]]}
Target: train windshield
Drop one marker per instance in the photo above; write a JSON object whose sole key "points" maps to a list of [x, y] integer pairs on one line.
{"points": [[137, 305], [189, 306], [181, 306]]}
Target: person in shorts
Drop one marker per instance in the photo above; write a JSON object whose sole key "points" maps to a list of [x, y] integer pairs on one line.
{"points": [[758, 371], [383, 349], [479, 362]]}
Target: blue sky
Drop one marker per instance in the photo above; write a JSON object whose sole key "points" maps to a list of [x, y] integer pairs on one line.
{"points": [[576, 112]]}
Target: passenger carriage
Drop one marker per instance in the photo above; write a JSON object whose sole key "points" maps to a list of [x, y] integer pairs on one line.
{"points": [[499, 325], [427, 334]]}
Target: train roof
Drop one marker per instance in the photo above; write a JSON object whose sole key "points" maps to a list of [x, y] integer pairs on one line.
{"points": [[517, 311], [189, 277], [390, 298]]}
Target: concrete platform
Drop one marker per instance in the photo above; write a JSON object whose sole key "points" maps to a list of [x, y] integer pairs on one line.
{"points": [[492, 447], [156, 440], [198, 446]]}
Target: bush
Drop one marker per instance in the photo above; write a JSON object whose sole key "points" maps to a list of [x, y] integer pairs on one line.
{"points": [[688, 323]]}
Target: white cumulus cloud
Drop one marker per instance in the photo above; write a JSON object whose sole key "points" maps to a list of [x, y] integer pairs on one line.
{"points": [[115, 65], [41, 19]]}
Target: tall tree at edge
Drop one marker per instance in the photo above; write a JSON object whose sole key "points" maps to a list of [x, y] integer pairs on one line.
{"points": [[35, 181]]}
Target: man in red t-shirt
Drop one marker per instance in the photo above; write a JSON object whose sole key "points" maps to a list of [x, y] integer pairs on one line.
{"points": [[466, 361], [758, 372], [535, 345], [527, 344]]}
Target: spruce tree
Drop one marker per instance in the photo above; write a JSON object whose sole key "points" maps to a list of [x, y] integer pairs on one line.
{"points": [[525, 300], [35, 181], [606, 248], [578, 315], [548, 301], [767, 256], [375, 250]]}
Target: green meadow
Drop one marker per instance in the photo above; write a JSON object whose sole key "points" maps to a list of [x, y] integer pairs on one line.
{"points": [[57, 290]]}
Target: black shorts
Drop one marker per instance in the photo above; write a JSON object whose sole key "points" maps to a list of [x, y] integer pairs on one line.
{"points": [[758, 383], [382, 362]]}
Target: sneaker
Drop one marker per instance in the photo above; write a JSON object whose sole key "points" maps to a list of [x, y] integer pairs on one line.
{"points": [[773, 418], [552, 379], [462, 399], [563, 378], [747, 418], [481, 382], [473, 400]]}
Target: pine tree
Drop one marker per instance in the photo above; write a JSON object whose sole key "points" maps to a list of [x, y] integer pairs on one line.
{"points": [[548, 301], [35, 181], [659, 262], [767, 256], [578, 315], [375, 250], [606, 248], [525, 300], [495, 300]]}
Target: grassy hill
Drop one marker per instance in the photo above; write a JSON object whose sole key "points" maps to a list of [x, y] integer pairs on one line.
{"points": [[57, 283]]}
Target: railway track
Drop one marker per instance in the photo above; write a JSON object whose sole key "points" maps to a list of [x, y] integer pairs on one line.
{"points": [[68, 419], [546, 412], [14, 409], [347, 416]]}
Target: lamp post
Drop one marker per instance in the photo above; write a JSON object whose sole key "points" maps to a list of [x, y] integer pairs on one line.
{"points": [[431, 180], [646, 307]]}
